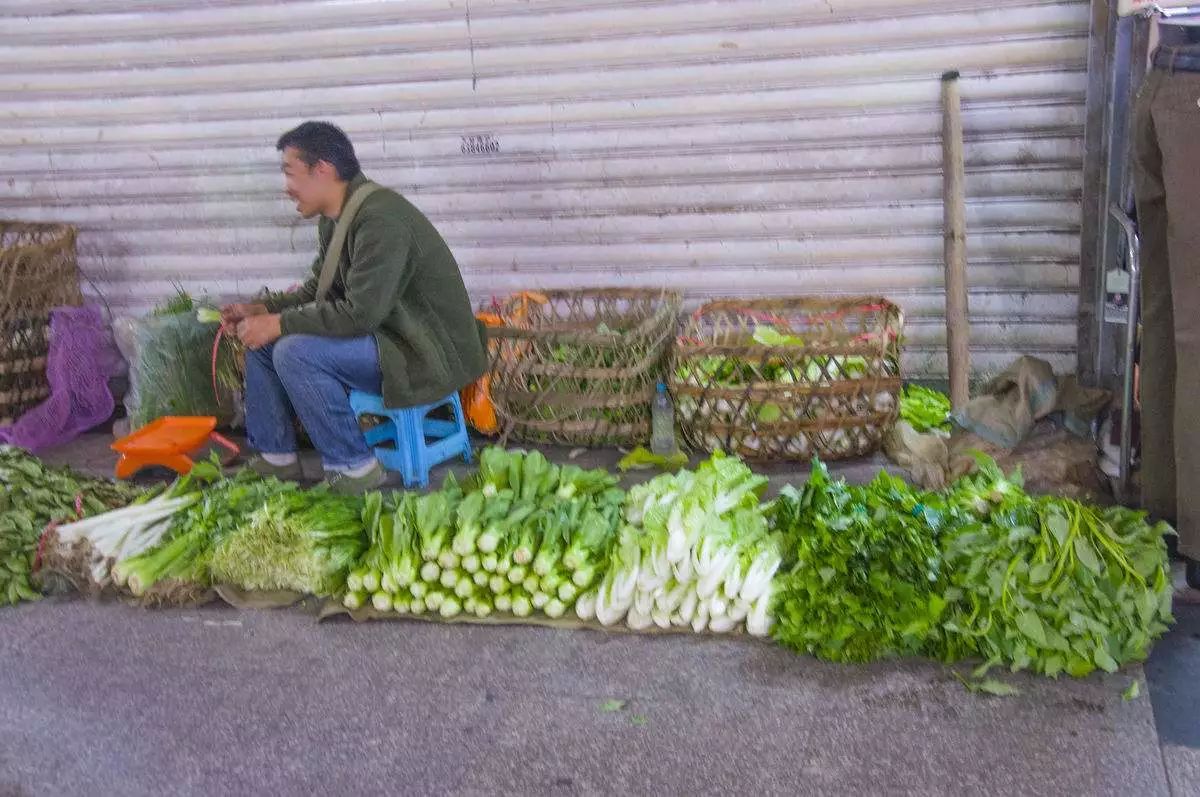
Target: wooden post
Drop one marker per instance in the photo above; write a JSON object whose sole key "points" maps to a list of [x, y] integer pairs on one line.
{"points": [[958, 337]]}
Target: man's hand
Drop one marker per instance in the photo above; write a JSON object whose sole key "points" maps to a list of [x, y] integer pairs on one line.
{"points": [[236, 313], [259, 330]]}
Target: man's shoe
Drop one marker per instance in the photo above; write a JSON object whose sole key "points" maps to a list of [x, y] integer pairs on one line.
{"points": [[345, 484], [286, 473]]}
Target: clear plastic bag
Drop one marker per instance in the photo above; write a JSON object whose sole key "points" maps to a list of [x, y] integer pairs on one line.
{"points": [[171, 369]]}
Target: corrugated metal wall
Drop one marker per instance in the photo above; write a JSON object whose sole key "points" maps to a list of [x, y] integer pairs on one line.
{"points": [[736, 147]]}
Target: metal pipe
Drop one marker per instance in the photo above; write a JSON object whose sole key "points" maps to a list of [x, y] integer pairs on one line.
{"points": [[1168, 13], [1133, 254]]}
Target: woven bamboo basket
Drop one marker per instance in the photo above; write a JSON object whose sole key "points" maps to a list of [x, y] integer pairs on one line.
{"points": [[38, 272], [579, 367], [789, 379]]}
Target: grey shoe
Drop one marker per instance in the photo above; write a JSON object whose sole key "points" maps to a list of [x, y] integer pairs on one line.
{"points": [[286, 473], [344, 484]]}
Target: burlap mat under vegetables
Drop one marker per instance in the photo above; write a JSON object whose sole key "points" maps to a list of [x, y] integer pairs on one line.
{"points": [[257, 599], [334, 608]]}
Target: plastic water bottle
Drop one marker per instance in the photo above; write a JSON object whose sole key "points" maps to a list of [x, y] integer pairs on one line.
{"points": [[662, 423]]}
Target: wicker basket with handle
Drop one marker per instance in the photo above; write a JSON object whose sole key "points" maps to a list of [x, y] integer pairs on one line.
{"points": [[579, 367], [789, 379]]}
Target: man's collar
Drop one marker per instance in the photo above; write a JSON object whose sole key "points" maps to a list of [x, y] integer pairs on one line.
{"points": [[351, 187]]}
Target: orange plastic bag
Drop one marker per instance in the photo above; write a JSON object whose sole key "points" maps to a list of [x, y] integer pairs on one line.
{"points": [[477, 396], [477, 404]]}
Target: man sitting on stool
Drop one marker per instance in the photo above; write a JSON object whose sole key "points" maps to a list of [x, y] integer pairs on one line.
{"points": [[385, 311]]}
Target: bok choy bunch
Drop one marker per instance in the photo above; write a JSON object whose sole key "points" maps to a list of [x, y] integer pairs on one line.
{"points": [[522, 535], [695, 551]]}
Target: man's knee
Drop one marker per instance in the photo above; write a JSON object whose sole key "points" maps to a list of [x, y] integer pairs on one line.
{"points": [[288, 354], [297, 354]]}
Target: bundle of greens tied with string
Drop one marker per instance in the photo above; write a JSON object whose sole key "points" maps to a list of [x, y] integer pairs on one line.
{"points": [[185, 364]]}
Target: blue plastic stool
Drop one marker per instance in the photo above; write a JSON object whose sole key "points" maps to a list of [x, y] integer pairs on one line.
{"points": [[418, 443]]}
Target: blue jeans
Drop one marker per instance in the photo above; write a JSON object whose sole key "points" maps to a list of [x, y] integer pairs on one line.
{"points": [[311, 377]]}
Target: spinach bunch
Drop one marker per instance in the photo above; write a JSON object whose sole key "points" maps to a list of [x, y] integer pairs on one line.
{"points": [[1048, 583]]}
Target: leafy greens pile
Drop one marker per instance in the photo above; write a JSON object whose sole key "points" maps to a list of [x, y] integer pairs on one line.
{"points": [[863, 572], [33, 496], [178, 360], [979, 570], [926, 410], [209, 529], [729, 371], [848, 573], [1047, 583], [298, 540]]}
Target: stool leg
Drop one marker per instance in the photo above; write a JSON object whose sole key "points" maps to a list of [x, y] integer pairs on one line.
{"points": [[462, 425], [460, 420], [416, 447]]}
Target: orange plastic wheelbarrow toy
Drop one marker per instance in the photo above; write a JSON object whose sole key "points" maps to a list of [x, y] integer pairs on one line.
{"points": [[168, 443]]}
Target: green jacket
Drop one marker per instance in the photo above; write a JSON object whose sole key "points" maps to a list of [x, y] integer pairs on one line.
{"points": [[398, 281]]}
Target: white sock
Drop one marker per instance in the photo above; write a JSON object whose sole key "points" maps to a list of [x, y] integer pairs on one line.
{"points": [[280, 460], [355, 471]]}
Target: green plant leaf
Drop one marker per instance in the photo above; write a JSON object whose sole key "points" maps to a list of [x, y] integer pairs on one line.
{"points": [[1040, 574], [612, 705], [1059, 527], [1104, 661], [1133, 691], [206, 471], [991, 686], [638, 720], [984, 668], [1031, 626], [1087, 555]]}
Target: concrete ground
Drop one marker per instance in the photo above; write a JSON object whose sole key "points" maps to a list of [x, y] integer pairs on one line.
{"points": [[92, 454], [105, 699], [108, 699]]}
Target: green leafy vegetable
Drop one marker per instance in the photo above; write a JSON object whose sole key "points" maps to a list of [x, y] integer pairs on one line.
{"points": [[1047, 583], [178, 358], [981, 570], [925, 410], [993, 687], [301, 541], [862, 582], [523, 535], [34, 496], [641, 458]]}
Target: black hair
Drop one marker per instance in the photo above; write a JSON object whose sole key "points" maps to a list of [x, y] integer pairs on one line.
{"points": [[322, 141]]}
